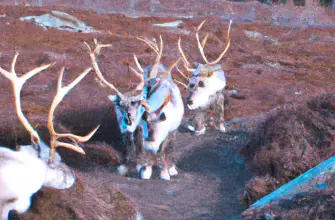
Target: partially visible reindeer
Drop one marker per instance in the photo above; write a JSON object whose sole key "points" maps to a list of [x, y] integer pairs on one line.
{"points": [[24, 172], [130, 106], [161, 125], [206, 86]]}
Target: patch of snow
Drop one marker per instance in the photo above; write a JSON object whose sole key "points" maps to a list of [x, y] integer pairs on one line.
{"points": [[173, 24], [274, 65], [61, 21], [253, 35]]}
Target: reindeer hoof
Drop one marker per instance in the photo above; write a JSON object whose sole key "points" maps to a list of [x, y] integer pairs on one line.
{"points": [[222, 128], [165, 175], [146, 172], [173, 171], [191, 128], [200, 132], [197, 132], [139, 167], [122, 170]]}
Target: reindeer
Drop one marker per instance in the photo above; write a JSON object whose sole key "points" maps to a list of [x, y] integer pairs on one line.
{"points": [[24, 172], [130, 106], [161, 125], [206, 85]]}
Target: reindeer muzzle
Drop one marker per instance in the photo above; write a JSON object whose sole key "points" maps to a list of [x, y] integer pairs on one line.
{"points": [[128, 119]]}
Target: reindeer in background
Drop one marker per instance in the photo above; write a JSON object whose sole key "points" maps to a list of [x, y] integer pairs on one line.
{"points": [[206, 86], [24, 172], [130, 109], [161, 125], [167, 111], [130, 106]]}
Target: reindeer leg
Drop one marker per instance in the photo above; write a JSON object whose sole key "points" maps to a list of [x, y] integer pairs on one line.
{"points": [[199, 119], [140, 139], [220, 111], [144, 164], [131, 150], [164, 175], [128, 139], [168, 168], [122, 168], [145, 170], [5, 208], [169, 155]]}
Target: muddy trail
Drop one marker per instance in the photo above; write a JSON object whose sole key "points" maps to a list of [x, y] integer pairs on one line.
{"points": [[267, 64], [210, 174]]}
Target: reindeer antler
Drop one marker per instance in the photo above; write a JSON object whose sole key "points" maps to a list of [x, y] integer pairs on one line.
{"points": [[61, 93], [203, 43], [201, 47], [157, 49], [93, 56], [140, 75], [185, 61], [183, 84], [181, 73], [17, 83], [171, 67]]}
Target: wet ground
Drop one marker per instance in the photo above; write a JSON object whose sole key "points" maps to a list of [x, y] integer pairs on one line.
{"points": [[269, 65]]}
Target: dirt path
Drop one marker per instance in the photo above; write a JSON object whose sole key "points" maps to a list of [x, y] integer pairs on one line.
{"points": [[210, 174]]}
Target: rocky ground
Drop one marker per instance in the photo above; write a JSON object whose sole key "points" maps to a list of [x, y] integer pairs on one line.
{"points": [[269, 64]]}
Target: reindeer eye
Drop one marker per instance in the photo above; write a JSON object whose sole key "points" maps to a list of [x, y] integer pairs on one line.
{"points": [[133, 103], [201, 84], [192, 86]]}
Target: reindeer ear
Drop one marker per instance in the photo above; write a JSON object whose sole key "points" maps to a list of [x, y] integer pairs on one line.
{"points": [[162, 117], [210, 74], [195, 64], [114, 98]]}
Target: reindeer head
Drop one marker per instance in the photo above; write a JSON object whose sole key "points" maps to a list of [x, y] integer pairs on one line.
{"points": [[167, 117], [59, 175], [130, 106], [128, 109], [153, 134], [207, 79]]}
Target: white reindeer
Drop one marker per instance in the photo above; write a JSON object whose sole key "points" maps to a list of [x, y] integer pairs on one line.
{"points": [[24, 172], [130, 106], [166, 98], [206, 85]]}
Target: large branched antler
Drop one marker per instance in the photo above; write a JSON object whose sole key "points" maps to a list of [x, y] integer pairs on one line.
{"points": [[201, 46], [61, 93], [203, 43], [140, 75], [175, 65], [157, 49], [17, 83], [157, 85], [185, 61], [93, 56]]}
